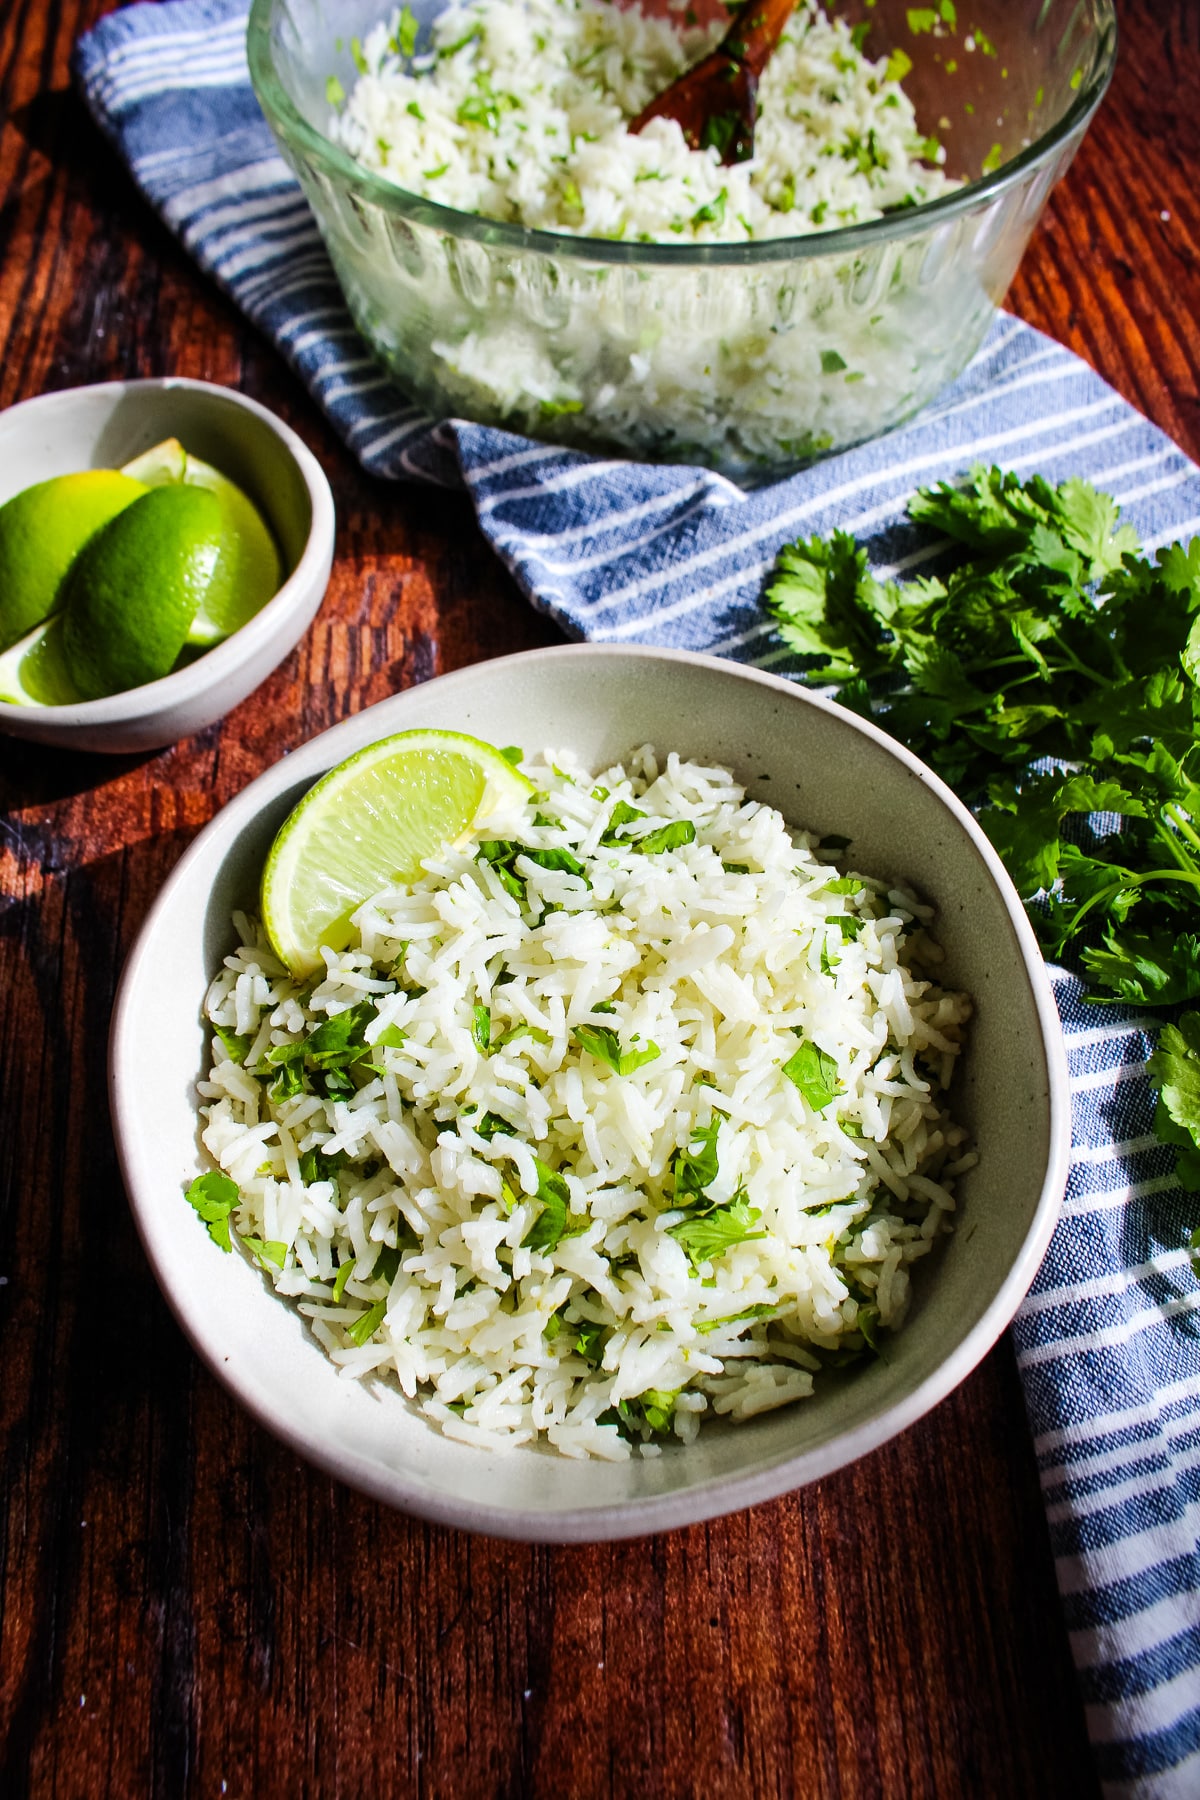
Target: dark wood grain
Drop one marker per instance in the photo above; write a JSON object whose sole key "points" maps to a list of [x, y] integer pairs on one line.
{"points": [[185, 1609]]}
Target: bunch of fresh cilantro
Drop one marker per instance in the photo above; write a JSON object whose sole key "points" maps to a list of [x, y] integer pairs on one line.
{"points": [[1049, 671]]}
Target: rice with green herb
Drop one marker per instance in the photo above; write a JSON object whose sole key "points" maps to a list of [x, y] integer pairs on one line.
{"points": [[518, 110], [632, 1112]]}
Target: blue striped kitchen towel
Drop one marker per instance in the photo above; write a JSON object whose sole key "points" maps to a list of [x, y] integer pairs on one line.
{"points": [[1109, 1339]]}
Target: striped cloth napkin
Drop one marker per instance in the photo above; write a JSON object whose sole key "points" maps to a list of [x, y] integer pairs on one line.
{"points": [[1109, 1339]]}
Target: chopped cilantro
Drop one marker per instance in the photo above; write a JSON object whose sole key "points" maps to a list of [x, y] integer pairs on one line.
{"points": [[367, 1324], [602, 1042], [404, 37], [461, 43], [490, 1124], [815, 1074], [720, 131], [622, 814], [589, 1341], [270, 1253], [214, 1197], [762, 1311], [667, 837], [387, 1263], [335, 93], [315, 1166], [713, 212], [713, 1233], [553, 1222], [481, 1026], [695, 1168], [234, 1045]]}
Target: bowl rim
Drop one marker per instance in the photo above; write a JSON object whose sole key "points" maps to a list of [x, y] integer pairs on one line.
{"points": [[292, 128], [719, 1494], [133, 705]]}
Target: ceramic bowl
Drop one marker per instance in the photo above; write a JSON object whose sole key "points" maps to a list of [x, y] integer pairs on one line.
{"points": [[107, 425], [827, 770]]}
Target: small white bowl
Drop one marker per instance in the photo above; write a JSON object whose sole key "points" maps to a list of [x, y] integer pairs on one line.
{"points": [[109, 424], [826, 770]]}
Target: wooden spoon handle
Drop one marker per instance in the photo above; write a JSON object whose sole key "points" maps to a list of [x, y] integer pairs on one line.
{"points": [[754, 34]]}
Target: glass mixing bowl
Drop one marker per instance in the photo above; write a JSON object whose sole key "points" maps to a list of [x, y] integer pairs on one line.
{"points": [[751, 358]]}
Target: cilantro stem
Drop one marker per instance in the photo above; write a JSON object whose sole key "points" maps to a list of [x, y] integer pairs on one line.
{"points": [[1175, 815], [1080, 668], [1129, 880]]}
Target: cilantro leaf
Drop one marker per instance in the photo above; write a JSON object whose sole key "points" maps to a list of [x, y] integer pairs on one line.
{"points": [[1050, 671], [815, 1073], [695, 1168], [367, 1324], [404, 36], [589, 1342], [622, 814], [713, 1233], [602, 1042], [554, 1221], [481, 1026], [270, 1253], [235, 1046], [214, 1197], [667, 837]]}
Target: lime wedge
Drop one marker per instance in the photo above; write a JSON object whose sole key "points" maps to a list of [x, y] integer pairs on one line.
{"points": [[42, 531], [373, 820], [131, 594], [249, 571], [160, 464], [33, 671]]}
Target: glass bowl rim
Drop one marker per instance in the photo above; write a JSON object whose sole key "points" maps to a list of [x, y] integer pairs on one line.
{"points": [[291, 125]]}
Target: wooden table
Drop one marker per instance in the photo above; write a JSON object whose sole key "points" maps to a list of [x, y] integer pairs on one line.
{"points": [[185, 1608]]}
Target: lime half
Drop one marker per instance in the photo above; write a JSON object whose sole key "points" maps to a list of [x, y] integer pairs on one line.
{"points": [[373, 820]]}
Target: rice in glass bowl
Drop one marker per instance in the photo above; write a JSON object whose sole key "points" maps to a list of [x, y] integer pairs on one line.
{"points": [[752, 354]]}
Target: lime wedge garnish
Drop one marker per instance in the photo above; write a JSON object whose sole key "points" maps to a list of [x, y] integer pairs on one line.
{"points": [[371, 821]]}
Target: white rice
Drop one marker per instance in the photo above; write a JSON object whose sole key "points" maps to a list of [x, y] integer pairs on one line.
{"points": [[518, 110], [422, 1252]]}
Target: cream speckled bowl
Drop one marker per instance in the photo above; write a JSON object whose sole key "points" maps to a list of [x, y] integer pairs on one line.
{"points": [[102, 427], [826, 770]]}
